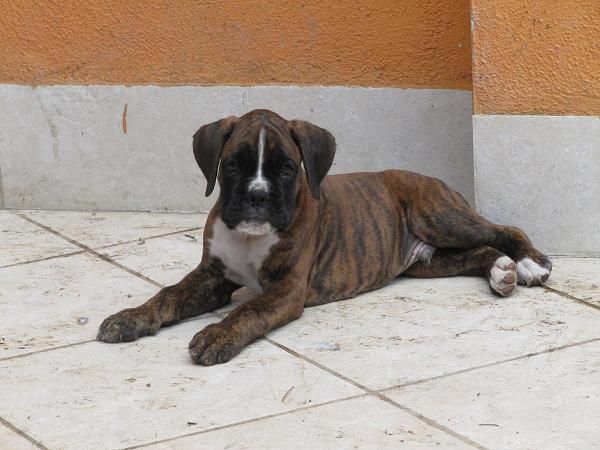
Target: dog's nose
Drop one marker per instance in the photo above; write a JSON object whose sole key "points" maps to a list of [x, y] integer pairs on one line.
{"points": [[258, 198]]}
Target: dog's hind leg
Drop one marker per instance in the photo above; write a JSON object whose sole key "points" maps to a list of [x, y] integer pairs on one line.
{"points": [[443, 219], [499, 269]]}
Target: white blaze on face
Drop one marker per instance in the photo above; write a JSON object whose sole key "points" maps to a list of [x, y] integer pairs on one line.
{"points": [[259, 183]]}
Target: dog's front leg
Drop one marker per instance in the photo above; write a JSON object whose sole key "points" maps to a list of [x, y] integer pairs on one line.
{"points": [[202, 290], [219, 342]]}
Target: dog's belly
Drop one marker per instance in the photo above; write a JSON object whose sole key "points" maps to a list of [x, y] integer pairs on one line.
{"points": [[241, 254], [365, 239]]}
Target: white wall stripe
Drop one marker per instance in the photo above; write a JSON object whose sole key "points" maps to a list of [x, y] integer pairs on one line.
{"points": [[63, 147]]}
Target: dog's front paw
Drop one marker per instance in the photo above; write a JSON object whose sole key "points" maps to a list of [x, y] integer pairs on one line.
{"points": [[126, 326], [215, 344]]}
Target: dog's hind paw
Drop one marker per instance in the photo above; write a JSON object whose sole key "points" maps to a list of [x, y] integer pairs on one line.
{"points": [[530, 273], [503, 276]]}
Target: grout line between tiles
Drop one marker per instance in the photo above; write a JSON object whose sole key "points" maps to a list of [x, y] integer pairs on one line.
{"points": [[492, 364], [31, 261], [572, 297], [244, 422], [92, 211], [102, 247], [44, 350], [155, 236], [431, 422], [380, 396], [21, 433], [91, 251]]}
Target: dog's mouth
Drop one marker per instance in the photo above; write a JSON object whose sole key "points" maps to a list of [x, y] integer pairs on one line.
{"points": [[255, 227]]}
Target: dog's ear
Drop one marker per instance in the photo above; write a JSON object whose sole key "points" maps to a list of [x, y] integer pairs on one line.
{"points": [[317, 147], [208, 145]]}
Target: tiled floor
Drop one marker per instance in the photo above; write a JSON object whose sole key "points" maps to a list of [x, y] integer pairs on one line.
{"points": [[418, 364]]}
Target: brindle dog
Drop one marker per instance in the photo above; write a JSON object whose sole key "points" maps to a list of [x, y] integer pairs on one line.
{"points": [[299, 238]]}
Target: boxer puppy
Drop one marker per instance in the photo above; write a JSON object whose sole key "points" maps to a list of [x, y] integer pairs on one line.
{"points": [[298, 238]]}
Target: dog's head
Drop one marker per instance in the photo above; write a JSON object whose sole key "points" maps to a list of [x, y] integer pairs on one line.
{"points": [[257, 159]]}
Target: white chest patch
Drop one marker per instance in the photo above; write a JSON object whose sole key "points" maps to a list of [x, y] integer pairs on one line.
{"points": [[241, 253]]}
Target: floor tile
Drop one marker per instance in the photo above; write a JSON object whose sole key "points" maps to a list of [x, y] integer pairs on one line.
{"points": [[118, 395], [22, 241], [415, 329], [10, 440], [62, 301], [550, 401], [579, 277], [96, 229], [366, 423], [165, 260]]}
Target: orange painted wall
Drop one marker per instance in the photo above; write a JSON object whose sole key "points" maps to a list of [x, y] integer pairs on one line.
{"points": [[398, 43], [536, 57]]}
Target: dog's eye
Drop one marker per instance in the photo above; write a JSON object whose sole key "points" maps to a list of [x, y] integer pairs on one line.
{"points": [[288, 170], [231, 167]]}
